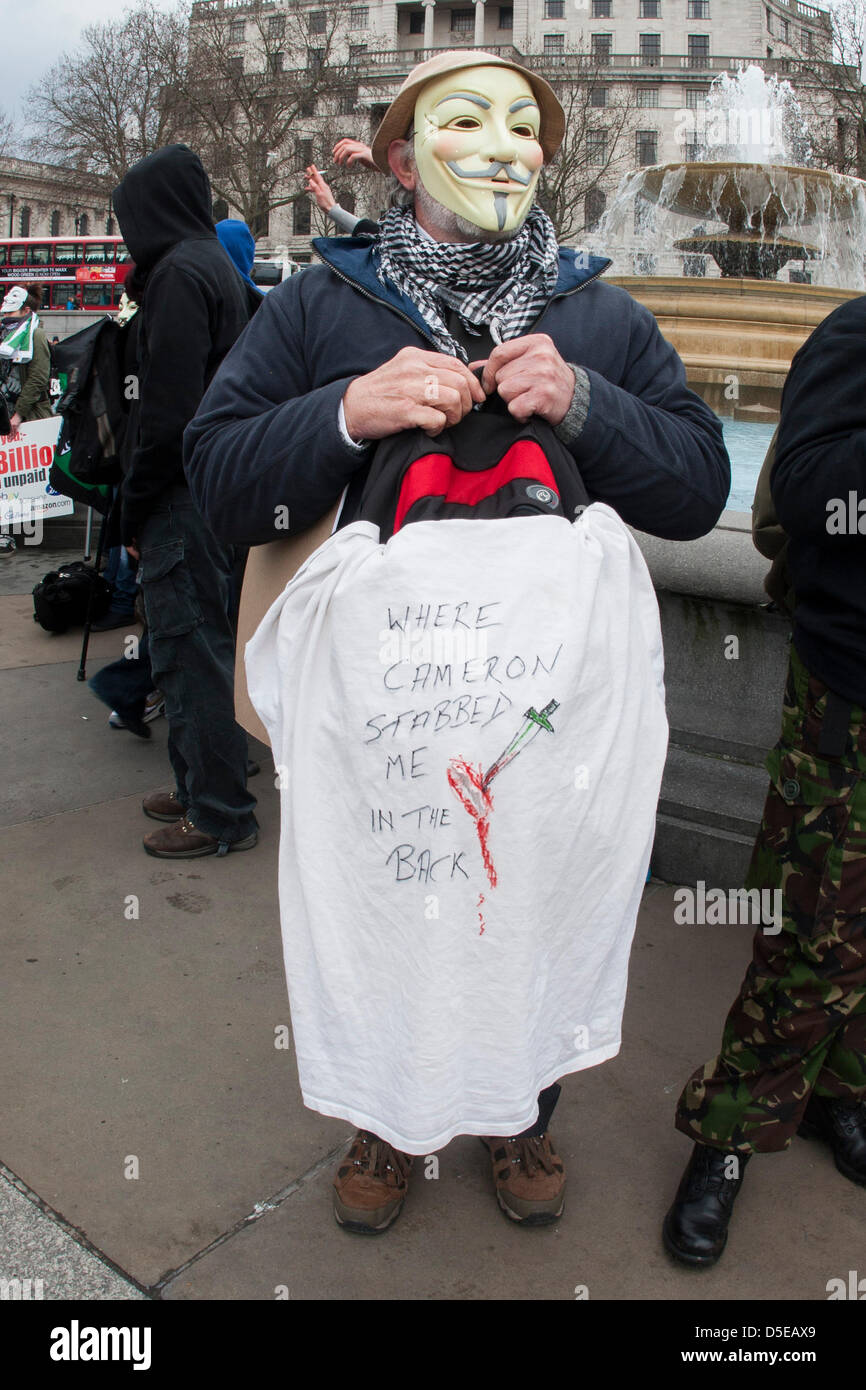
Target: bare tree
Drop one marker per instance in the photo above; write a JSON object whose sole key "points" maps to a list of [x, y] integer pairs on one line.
{"points": [[100, 108], [8, 134], [253, 112], [831, 92], [595, 151]]}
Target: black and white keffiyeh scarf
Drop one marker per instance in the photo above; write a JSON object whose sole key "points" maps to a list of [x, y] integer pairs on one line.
{"points": [[501, 285]]}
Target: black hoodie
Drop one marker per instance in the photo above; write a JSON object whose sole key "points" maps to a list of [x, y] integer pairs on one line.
{"points": [[820, 474], [195, 307]]}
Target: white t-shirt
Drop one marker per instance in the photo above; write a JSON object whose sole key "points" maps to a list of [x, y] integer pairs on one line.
{"points": [[470, 730]]}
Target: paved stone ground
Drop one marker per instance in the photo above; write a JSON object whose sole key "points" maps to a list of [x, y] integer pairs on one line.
{"points": [[152, 1137]]}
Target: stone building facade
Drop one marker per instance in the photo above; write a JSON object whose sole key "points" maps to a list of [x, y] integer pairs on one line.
{"points": [[42, 200], [667, 52]]}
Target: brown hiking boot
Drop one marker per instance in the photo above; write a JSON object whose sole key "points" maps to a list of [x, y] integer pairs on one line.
{"points": [[183, 841], [530, 1178], [163, 806], [371, 1185]]}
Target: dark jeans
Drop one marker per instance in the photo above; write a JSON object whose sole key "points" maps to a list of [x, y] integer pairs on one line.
{"points": [[120, 574], [185, 578], [124, 685]]}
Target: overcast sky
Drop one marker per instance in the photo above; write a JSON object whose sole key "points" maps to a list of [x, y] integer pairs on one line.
{"points": [[49, 28]]}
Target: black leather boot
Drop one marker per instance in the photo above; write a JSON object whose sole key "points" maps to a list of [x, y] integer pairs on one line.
{"points": [[841, 1124], [696, 1227]]}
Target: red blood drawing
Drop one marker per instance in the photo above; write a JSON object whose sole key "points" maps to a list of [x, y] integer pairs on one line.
{"points": [[465, 781], [480, 914]]}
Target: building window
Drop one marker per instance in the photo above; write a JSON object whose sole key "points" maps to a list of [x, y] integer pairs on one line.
{"points": [[598, 96], [649, 9], [220, 210], [691, 151], [601, 45], [276, 27], [359, 17], [24, 222], [463, 21], [356, 51], [237, 30], [650, 49], [555, 9], [84, 225], [596, 146], [416, 22], [699, 50], [54, 224], [316, 24], [276, 62], [647, 96], [315, 57], [301, 223], [806, 40], [769, 13], [646, 147], [784, 34], [699, 9], [236, 66], [349, 102], [554, 43], [593, 209], [110, 228], [695, 98], [601, 9], [506, 16], [304, 153]]}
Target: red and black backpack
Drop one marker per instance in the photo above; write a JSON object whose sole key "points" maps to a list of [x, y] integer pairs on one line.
{"points": [[488, 466]]}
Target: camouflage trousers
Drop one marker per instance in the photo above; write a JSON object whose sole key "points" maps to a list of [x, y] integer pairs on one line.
{"points": [[799, 1022]]}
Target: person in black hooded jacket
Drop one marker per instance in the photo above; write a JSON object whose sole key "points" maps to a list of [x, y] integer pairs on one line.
{"points": [[195, 308]]}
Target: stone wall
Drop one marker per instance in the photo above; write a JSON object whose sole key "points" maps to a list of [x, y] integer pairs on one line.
{"points": [[724, 708]]}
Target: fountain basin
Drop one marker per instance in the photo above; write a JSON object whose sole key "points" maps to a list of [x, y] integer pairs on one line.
{"points": [[734, 333]]}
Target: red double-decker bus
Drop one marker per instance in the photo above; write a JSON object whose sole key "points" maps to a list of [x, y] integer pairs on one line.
{"points": [[75, 272]]}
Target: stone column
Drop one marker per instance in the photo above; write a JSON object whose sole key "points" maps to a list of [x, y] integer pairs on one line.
{"points": [[479, 23], [429, 8]]}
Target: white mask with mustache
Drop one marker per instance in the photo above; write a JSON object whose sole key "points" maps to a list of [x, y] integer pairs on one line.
{"points": [[476, 145]]}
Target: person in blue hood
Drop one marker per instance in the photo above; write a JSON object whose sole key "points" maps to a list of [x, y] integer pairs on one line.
{"points": [[195, 307], [237, 239]]}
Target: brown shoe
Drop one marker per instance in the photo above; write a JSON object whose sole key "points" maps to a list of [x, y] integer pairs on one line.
{"points": [[163, 806], [530, 1178], [183, 841], [371, 1185]]}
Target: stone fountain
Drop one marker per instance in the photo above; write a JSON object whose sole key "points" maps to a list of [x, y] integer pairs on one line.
{"points": [[733, 318]]}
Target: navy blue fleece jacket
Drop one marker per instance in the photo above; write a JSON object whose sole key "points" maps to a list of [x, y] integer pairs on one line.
{"points": [[266, 434]]}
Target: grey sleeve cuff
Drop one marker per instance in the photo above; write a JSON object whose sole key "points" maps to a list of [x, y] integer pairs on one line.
{"points": [[346, 221], [569, 428]]}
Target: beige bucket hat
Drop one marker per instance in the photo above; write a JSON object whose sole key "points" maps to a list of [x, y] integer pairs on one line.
{"points": [[398, 117]]}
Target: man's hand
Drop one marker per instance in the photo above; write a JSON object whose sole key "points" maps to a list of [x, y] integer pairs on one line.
{"points": [[531, 378], [316, 185], [133, 551], [414, 390], [15, 420], [350, 152]]}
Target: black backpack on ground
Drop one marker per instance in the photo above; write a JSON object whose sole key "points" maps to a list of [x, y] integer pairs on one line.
{"points": [[61, 600]]}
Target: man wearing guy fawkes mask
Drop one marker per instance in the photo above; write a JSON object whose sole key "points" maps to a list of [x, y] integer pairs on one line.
{"points": [[382, 339]]}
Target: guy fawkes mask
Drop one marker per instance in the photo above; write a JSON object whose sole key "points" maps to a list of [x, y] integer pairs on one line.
{"points": [[476, 145]]}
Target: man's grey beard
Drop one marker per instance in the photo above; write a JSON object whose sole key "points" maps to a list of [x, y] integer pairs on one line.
{"points": [[452, 225]]}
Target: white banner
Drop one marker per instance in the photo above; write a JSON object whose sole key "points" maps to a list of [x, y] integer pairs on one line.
{"points": [[26, 456]]}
